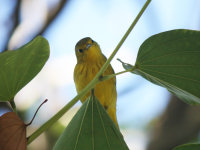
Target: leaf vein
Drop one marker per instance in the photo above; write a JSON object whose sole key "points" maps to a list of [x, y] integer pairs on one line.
{"points": [[164, 45], [103, 125], [21, 138], [171, 75], [169, 55], [12, 118], [12, 135], [16, 71], [171, 65], [81, 124], [9, 126], [25, 72], [3, 97], [179, 89], [5, 81]]}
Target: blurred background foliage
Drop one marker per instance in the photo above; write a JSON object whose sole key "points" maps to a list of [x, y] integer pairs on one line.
{"points": [[149, 117]]}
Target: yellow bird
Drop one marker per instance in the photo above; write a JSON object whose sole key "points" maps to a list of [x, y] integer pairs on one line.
{"points": [[89, 61]]}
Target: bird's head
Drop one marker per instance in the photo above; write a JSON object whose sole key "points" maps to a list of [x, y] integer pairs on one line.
{"points": [[87, 50]]}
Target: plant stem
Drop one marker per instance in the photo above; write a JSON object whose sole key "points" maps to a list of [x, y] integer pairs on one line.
{"points": [[91, 85], [113, 75], [124, 38], [92, 91], [12, 103]]}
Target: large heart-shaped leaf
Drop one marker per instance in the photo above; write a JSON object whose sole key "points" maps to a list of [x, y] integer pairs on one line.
{"points": [[20, 66], [172, 60], [91, 128], [188, 147]]}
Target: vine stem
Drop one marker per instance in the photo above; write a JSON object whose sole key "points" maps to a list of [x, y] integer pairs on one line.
{"points": [[12, 103], [113, 75], [91, 85]]}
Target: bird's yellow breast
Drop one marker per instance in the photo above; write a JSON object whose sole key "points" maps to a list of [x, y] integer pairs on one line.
{"points": [[104, 91]]}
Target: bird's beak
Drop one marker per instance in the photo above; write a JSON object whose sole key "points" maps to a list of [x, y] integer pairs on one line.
{"points": [[88, 46]]}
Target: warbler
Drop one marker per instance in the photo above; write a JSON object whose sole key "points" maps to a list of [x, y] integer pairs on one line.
{"points": [[89, 61]]}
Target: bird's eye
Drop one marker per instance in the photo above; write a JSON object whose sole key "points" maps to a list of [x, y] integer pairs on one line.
{"points": [[80, 50], [92, 41]]}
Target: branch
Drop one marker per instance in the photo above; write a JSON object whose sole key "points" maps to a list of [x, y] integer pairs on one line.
{"points": [[15, 20], [51, 19]]}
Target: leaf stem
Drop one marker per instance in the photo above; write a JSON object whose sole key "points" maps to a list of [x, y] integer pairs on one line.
{"points": [[113, 75], [36, 113], [92, 91], [91, 85], [12, 103]]}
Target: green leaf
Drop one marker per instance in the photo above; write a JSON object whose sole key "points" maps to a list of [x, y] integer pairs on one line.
{"points": [[20, 66], [91, 128], [172, 60], [188, 147]]}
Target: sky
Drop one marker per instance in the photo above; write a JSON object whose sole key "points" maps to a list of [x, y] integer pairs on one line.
{"points": [[139, 101]]}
